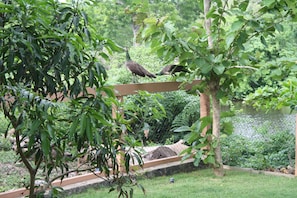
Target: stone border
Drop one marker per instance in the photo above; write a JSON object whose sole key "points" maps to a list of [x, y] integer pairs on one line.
{"points": [[226, 167]]}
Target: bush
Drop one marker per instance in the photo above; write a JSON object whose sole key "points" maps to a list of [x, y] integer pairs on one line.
{"points": [[180, 109], [269, 150]]}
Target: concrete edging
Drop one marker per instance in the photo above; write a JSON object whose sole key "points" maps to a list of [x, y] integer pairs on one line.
{"points": [[226, 167]]}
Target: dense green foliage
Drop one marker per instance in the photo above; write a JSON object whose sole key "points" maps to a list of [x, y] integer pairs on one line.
{"points": [[265, 151], [50, 49], [271, 60], [160, 115], [115, 19]]}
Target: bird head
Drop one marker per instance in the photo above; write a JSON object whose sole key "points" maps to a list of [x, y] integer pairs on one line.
{"points": [[128, 58]]}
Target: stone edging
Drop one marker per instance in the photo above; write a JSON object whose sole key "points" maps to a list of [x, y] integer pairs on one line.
{"points": [[226, 167]]}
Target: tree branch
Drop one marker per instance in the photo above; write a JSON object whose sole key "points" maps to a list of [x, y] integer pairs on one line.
{"points": [[207, 24]]}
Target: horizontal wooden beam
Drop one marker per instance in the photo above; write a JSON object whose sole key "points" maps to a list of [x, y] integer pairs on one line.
{"points": [[130, 89]]}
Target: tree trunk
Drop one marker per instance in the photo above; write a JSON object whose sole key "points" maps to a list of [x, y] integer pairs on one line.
{"points": [[135, 29], [213, 88], [207, 23], [204, 109], [218, 168]]}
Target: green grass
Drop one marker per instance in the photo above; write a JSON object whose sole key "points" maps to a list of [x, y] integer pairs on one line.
{"points": [[203, 184]]}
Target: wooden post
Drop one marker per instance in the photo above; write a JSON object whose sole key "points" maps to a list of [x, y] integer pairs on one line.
{"points": [[296, 146], [204, 109]]}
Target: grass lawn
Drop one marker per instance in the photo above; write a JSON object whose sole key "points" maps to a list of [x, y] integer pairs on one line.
{"points": [[203, 184]]}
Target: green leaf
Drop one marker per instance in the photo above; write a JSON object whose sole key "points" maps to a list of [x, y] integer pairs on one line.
{"points": [[279, 27], [227, 128], [197, 161], [45, 143], [243, 36], [268, 3], [150, 20], [211, 12], [73, 127], [199, 154], [183, 129], [185, 157], [83, 124], [50, 130], [204, 122], [237, 25], [243, 5], [229, 40], [218, 58], [127, 162], [219, 69], [205, 69], [89, 129], [209, 160], [34, 126], [263, 41], [192, 137]]}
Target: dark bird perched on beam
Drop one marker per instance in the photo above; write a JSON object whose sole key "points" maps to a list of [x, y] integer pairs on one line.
{"points": [[172, 70], [136, 69]]}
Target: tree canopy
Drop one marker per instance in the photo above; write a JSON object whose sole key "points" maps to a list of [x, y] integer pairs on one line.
{"points": [[50, 53]]}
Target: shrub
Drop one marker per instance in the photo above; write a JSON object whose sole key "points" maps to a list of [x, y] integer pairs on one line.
{"points": [[269, 150], [181, 109]]}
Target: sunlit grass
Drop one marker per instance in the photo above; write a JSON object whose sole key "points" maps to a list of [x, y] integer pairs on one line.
{"points": [[203, 184]]}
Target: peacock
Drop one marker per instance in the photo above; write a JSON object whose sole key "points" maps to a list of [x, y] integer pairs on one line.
{"points": [[136, 69], [172, 70]]}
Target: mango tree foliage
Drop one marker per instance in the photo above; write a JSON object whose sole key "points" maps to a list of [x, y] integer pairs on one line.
{"points": [[49, 52], [218, 55]]}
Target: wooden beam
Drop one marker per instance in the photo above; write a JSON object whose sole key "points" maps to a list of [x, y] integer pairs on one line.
{"points": [[130, 89]]}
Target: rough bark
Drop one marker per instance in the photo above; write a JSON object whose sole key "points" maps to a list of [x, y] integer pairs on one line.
{"points": [[218, 168], [213, 88], [207, 23], [204, 109]]}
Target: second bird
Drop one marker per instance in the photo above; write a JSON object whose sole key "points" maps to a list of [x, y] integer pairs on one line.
{"points": [[172, 69], [136, 69]]}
